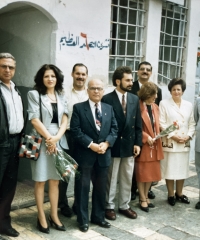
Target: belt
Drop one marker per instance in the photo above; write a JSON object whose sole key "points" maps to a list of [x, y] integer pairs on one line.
{"points": [[14, 135]]}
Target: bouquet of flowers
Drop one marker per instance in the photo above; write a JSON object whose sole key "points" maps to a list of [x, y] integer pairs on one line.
{"points": [[65, 165], [168, 130]]}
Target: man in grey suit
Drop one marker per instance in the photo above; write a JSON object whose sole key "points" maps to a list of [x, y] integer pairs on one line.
{"points": [[128, 143]]}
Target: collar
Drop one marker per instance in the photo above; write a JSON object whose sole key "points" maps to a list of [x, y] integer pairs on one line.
{"points": [[119, 94]]}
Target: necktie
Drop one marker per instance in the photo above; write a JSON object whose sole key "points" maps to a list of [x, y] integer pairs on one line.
{"points": [[124, 104], [98, 115]]}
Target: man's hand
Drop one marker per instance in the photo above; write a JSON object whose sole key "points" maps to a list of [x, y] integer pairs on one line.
{"points": [[136, 150], [95, 147], [103, 147]]}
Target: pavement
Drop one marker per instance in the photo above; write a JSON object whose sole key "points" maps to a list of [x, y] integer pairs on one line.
{"points": [[164, 222]]}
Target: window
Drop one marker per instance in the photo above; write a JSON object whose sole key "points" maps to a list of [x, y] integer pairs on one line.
{"points": [[126, 34], [172, 38]]}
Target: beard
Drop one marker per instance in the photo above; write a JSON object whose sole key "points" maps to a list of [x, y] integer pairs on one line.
{"points": [[126, 89]]}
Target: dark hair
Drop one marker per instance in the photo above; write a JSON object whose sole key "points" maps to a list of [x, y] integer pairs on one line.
{"points": [[177, 81], [147, 90], [40, 87], [79, 65], [119, 73], [145, 63]]}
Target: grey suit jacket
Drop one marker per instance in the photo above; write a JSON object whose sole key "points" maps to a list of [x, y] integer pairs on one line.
{"points": [[47, 112], [197, 120]]}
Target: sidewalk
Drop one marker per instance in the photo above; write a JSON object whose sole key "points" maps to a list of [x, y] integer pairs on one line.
{"points": [[164, 222]]}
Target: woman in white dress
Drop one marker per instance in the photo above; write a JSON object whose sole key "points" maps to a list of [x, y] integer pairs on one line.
{"points": [[176, 145], [49, 94]]}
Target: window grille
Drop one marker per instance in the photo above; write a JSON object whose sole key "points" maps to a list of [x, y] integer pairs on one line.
{"points": [[126, 34], [172, 39]]}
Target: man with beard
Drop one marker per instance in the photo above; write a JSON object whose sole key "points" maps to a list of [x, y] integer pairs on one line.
{"points": [[144, 74], [76, 94], [127, 146]]}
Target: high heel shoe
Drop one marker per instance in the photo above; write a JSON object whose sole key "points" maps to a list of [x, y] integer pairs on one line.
{"points": [[182, 198], [41, 228], [55, 225], [145, 209], [150, 205]]}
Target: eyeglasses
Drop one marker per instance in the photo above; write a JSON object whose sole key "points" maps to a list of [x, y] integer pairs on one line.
{"points": [[95, 88], [7, 66], [147, 69]]}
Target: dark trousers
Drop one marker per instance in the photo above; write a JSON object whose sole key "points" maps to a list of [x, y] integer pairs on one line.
{"points": [[98, 175], [134, 182], [63, 201], [9, 162]]}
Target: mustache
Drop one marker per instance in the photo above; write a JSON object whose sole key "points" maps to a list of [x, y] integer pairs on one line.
{"points": [[79, 79]]}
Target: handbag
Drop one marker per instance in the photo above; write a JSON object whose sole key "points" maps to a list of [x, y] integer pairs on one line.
{"points": [[30, 144]]}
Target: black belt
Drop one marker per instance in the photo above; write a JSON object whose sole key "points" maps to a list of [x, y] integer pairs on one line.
{"points": [[14, 135]]}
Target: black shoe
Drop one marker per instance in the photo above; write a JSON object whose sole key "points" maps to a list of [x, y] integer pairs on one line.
{"points": [[133, 195], [151, 194], [84, 227], [41, 228], [150, 205], [55, 225], [66, 211], [145, 209], [183, 198], [103, 224], [74, 209], [197, 206], [10, 232], [172, 200]]}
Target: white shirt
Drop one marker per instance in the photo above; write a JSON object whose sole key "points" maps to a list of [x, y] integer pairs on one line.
{"points": [[74, 97], [93, 108], [14, 108], [120, 96]]}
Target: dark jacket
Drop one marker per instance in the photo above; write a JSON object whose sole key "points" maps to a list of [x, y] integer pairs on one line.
{"points": [[136, 88], [129, 127], [83, 130], [4, 127]]}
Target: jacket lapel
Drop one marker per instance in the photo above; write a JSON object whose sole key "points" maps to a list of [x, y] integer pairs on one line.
{"points": [[47, 104], [175, 107], [146, 119], [88, 114]]}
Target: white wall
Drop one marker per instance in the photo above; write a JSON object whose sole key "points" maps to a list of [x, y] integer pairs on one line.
{"points": [[72, 17]]}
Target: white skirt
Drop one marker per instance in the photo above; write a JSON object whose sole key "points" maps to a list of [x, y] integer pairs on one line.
{"points": [[175, 166]]}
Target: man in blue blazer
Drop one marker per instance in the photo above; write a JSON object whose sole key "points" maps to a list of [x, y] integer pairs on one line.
{"points": [[127, 146], [94, 128]]}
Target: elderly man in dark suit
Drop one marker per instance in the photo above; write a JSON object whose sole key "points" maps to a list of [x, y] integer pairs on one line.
{"points": [[94, 128], [127, 146], [144, 74]]}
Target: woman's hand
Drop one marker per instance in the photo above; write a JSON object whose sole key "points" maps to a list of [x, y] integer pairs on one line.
{"points": [[51, 144], [179, 139], [150, 141]]}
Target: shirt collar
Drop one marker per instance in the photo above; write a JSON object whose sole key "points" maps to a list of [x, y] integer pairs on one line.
{"points": [[120, 94]]}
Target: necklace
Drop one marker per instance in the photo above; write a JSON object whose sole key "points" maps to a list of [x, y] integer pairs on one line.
{"points": [[54, 100]]}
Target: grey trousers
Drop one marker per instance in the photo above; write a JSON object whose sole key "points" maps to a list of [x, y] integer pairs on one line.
{"points": [[197, 164], [122, 169]]}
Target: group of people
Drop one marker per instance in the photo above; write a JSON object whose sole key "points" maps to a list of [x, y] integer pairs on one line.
{"points": [[112, 137]]}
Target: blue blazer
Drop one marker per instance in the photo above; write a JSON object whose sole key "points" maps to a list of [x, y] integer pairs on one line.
{"points": [[129, 127], [84, 131]]}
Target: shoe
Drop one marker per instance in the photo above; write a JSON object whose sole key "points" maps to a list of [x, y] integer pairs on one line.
{"points": [[66, 211], [41, 228], [150, 205], [154, 183], [74, 209], [183, 198], [10, 232], [133, 195], [197, 206], [151, 194], [145, 209], [83, 228], [110, 214], [172, 200], [55, 225], [128, 213], [103, 224]]}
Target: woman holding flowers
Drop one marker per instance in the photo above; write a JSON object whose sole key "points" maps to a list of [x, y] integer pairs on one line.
{"points": [[51, 124], [147, 164], [176, 145]]}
